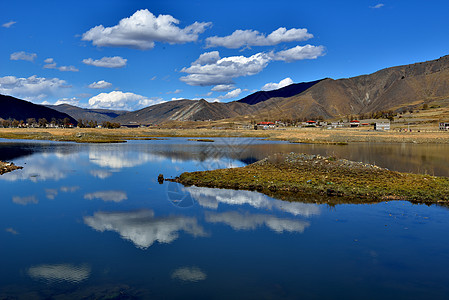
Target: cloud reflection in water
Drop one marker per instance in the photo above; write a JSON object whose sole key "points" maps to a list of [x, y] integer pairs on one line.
{"points": [[211, 198], [143, 228], [251, 221], [60, 272]]}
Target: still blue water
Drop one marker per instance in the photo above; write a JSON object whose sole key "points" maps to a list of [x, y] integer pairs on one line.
{"points": [[91, 221]]}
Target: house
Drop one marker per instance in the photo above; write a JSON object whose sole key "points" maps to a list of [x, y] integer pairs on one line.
{"points": [[265, 125], [310, 123], [384, 125], [337, 124], [444, 126], [354, 123]]}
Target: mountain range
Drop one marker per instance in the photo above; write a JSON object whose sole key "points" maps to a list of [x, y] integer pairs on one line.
{"points": [[396, 88]]}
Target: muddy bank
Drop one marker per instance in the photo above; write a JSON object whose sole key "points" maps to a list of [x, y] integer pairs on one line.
{"points": [[6, 167], [313, 178]]}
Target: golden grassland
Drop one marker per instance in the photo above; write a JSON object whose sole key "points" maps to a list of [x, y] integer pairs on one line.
{"points": [[299, 135], [313, 178]]}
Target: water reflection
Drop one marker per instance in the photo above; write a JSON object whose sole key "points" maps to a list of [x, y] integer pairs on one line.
{"points": [[25, 200], [192, 274], [60, 272], [211, 198], [248, 221], [102, 174], [39, 169], [113, 196], [143, 228]]}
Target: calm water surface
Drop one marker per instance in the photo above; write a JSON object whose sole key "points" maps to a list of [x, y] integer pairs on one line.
{"points": [[91, 222]]}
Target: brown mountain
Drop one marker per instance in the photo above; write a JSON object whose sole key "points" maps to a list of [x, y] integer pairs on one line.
{"points": [[388, 89], [185, 110], [99, 115]]}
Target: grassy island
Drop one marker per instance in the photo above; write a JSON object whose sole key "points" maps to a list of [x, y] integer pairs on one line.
{"points": [[316, 178]]}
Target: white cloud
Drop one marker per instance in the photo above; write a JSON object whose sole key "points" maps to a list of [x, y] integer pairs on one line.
{"points": [[71, 101], [51, 193], [143, 228], [193, 274], [107, 196], [107, 62], [175, 92], [223, 88], [274, 86], [8, 24], [231, 94], [176, 99], [60, 272], [378, 5], [210, 69], [31, 88], [100, 85], [25, 200], [248, 38], [299, 53], [121, 100], [142, 29], [22, 55], [51, 64]]}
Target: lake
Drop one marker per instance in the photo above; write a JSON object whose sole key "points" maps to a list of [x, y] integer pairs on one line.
{"points": [[90, 221]]}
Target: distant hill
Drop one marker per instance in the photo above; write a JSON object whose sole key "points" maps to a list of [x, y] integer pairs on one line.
{"points": [[13, 108], [99, 115], [184, 110], [288, 91]]}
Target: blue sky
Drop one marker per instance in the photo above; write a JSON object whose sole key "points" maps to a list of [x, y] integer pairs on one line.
{"points": [[131, 54]]}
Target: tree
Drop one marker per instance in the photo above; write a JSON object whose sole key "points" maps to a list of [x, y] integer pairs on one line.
{"points": [[42, 122], [31, 122], [66, 122]]}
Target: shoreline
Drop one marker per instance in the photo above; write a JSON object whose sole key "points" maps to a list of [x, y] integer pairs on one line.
{"points": [[293, 135], [318, 179]]}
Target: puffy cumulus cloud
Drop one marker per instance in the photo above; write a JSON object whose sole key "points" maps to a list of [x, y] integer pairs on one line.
{"points": [[299, 53], [231, 94], [248, 38], [51, 64], [117, 159], [31, 88], [60, 273], [223, 88], [142, 30], [143, 228], [71, 101], [22, 55], [121, 100], [25, 200], [106, 62], [274, 86], [100, 85], [107, 196], [210, 69], [8, 24], [192, 274]]}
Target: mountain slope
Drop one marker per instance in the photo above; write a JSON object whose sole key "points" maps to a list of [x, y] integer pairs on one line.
{"points": [[393, 88], [184, 110], [288, 91], [99, 115], [13, 108]]}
